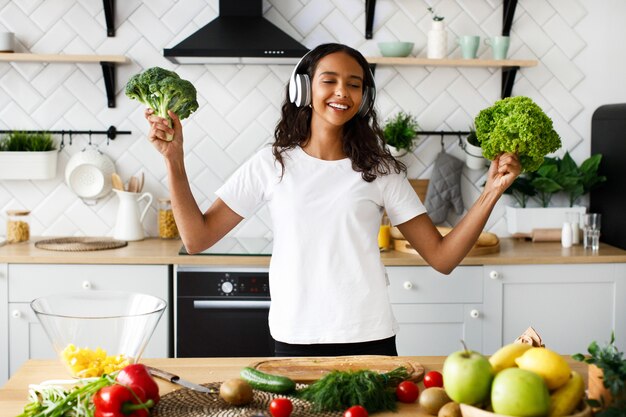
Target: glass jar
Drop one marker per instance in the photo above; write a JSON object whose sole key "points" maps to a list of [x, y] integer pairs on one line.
{"points": [[167, 225], [18, 229]]}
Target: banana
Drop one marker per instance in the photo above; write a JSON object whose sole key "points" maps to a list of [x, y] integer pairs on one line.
{"points": [[506, 355], [564, 400]]}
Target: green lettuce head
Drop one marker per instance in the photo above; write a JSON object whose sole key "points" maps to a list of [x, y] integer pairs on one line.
{"points": [[516, 125]]}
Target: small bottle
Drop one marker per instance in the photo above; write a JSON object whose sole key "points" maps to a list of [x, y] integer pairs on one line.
{"points": [[566, 235], [167, 224], [384, 234], [18, 229]]}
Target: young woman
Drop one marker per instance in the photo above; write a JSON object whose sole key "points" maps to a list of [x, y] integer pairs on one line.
{"points": [[326, 180]]}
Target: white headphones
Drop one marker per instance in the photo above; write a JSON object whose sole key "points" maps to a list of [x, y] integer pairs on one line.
{"points": [[300, 90]]}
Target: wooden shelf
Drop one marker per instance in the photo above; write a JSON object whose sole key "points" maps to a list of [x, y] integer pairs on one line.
{"points": [[23, 57], [452, 62], [107, 62]]}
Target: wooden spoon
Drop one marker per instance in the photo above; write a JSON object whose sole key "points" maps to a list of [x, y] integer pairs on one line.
{"points": [[141, 180], [118, 184], [133, 184]]}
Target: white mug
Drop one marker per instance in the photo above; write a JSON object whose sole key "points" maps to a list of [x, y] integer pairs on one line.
{"points": [[7, 41]]}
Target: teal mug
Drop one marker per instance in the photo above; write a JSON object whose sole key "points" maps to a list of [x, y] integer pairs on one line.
{"points": [[499, 46], [469, 46]]}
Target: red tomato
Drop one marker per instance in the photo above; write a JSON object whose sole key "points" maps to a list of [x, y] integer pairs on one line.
{"points": [[407, 391], [281, 407], [355, 411], [433, 379]]}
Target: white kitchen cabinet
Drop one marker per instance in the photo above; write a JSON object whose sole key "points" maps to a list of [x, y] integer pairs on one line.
{"points": [[568, 305], [436, 311], [26, 282]]}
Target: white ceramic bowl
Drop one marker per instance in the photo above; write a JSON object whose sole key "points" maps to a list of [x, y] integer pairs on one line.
{"points": [[88, 173]]}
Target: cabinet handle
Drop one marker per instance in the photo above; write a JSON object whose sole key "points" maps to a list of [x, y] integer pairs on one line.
{"points": [[474, 314], [494, 275], [407, 285], [86, 285], [16, 314]]}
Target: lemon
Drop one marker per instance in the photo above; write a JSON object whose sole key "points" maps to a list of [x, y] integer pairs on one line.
{"points": [[548, 364]]}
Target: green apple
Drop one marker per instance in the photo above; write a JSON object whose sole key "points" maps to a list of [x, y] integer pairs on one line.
{"points": [[521, 393], [467, 377]]}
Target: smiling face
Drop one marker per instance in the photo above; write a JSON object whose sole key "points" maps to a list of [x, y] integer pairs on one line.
{"points": [[337, 89]]}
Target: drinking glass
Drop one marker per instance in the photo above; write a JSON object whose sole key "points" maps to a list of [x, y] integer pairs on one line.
{"points": [[591, 231]]}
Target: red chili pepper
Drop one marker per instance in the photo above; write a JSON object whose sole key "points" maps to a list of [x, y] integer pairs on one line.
{"points": [[120, 401], [138, 375]]}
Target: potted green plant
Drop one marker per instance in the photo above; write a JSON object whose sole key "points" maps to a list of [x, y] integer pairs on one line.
{"points": [[555, 175], [474, 158], [606, 378], [400, 132], [27, 155]]}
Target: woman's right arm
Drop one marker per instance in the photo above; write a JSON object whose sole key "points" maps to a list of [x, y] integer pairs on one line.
{"points": [[198, 231]]}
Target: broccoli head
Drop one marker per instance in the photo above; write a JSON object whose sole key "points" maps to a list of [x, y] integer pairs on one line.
{"points": [[163, 90], [516, 125]]}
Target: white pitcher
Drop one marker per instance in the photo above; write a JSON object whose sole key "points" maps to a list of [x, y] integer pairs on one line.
{"points": [[128, 225]]}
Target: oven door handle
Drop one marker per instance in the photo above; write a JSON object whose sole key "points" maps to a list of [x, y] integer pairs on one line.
{"points": [[231, 304]]}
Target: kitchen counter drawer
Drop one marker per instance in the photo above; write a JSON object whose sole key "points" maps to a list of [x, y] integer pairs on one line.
{"points": [[30, 281], [425, 285]]}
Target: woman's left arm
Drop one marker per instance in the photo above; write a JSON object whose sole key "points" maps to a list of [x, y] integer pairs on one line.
{"points": [[444, 253]]}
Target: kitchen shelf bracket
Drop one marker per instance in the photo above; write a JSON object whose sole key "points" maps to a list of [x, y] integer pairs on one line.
{"points": [[370, 7], [108, 73], [508, 12], [508, 79], [109, 16]]}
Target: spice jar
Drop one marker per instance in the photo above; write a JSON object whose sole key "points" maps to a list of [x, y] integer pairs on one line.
{"points": [[167, 225], [18, 229]]}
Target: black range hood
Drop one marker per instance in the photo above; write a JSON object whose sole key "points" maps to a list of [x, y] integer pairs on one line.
{"points": [[240, 35]]}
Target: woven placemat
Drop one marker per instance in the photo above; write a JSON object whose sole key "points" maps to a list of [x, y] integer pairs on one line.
{"points": [[79, 244], [188, 403]]}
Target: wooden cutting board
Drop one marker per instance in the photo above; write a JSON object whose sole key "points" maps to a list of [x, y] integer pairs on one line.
{"points": [[307, 370], [402, 245]]}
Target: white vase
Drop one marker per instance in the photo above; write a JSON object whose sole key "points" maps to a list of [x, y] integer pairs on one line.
{"points": [[28, 165], [437, 40], [395, 152]]}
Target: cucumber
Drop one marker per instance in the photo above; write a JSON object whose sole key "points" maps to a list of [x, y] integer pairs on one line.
{"points": [[267, 382]]}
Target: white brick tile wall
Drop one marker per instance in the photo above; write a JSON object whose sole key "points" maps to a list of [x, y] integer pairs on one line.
{"points": [[240, 105]]}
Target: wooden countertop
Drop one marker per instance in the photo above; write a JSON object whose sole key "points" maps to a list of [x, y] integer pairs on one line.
{"points": [[162, 252], [14, 394]]}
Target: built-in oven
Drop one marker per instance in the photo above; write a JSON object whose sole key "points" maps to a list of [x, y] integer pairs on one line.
{"points": [[221, 311]]}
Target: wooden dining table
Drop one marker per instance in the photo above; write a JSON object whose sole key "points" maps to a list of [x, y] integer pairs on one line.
{"points": [[14, 394]]}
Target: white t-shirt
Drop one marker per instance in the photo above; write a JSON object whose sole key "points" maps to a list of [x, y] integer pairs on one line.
{"points": [[327, 280]]}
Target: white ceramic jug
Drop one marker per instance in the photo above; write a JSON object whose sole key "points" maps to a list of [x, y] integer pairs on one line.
{"points": [[128, 225]]}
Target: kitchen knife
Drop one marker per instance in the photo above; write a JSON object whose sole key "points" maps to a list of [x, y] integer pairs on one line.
{"points": [[175, 379]]}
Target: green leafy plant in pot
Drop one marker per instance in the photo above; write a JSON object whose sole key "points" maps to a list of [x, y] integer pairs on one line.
{"points": [[20, 141], [611, 364], [400, 132]]}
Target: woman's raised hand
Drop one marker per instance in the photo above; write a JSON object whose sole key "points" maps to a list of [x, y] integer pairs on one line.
{"points": [[160, 132], [502, 172]]}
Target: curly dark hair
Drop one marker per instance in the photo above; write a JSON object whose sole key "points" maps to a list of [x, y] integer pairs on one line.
{"points": [[363, 140]]}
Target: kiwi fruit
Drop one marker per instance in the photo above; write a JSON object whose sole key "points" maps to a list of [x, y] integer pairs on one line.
{"points": [[432, 399], [236, 392], [451, 409]]}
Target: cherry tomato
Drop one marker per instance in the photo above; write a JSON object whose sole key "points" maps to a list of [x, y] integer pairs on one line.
{"points": [[407, 391], [433, 379], [281, 407], [355, 411]]}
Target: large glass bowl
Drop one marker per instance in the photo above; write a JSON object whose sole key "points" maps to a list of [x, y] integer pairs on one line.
{"points": [[96, 332]]}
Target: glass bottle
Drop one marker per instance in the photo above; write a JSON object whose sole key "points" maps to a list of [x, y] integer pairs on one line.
{"points": [[384, 234], [167, 224], [18, 228]]}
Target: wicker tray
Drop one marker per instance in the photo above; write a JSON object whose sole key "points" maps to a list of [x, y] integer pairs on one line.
{"points": [[188, 403], [79, 244]]}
